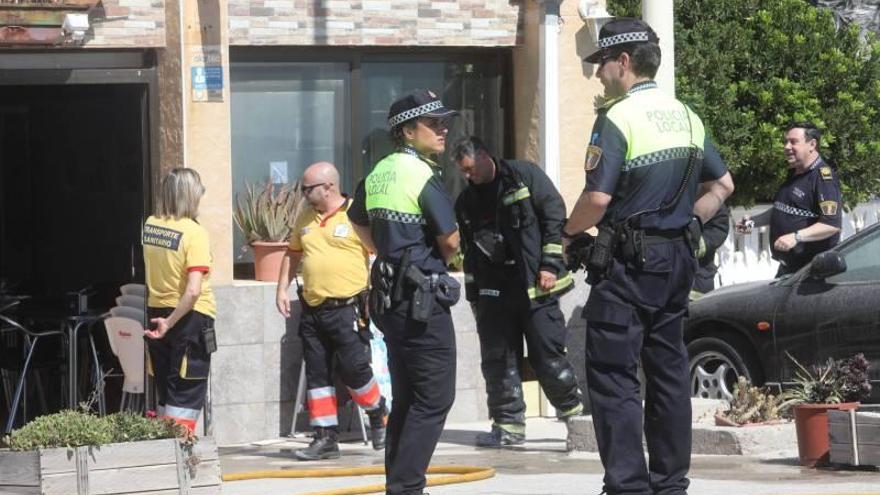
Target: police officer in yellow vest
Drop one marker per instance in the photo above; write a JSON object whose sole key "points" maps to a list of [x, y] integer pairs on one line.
{"points": [[402, 213], [647, 158]]}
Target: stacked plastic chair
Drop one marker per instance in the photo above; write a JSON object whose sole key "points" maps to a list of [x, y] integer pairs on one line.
{"points": [[125, 331]]}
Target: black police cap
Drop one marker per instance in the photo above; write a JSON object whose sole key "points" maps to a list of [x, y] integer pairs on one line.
{"points": [[622, 31], [419, 103]]}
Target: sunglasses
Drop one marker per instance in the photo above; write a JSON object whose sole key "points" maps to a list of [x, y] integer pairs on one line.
{"points": [[307, 189], [436, 124]]}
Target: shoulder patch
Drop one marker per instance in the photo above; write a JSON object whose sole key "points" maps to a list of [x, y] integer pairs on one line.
{"points": [[594, 154], [829, 208], [825, 172]]}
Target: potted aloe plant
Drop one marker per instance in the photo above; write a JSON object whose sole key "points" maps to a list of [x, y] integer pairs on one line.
{"points": [[265, 213], [836, 385]]}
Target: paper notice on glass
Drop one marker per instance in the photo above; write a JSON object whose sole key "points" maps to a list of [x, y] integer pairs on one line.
{"points": [[278, 172]]}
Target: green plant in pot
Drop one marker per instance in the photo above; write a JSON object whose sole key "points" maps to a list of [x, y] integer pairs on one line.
{"points": [[265, 214], [837, 384]]}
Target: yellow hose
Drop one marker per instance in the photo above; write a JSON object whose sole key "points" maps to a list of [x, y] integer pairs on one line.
{"points": [[460, 474]]}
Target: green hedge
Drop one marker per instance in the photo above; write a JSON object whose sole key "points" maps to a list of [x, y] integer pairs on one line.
{"points": [[75, 429], [749, 67]]}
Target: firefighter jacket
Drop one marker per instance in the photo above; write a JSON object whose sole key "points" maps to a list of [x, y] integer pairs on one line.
{"points": [[523, 236]]}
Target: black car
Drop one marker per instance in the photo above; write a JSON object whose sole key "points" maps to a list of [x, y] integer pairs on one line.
{"points": [[830, 308]]}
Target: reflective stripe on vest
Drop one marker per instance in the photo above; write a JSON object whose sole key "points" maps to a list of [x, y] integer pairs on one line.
{"points": [[791, 210], [518, 195], [657, 127], [393, 188]]}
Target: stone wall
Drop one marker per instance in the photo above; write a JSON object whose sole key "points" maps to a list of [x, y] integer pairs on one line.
{"points": [[255, 371], [374, 22], [128, 24]]}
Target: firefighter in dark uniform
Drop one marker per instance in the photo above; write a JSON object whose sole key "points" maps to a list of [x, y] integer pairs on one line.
{"points": [[511, 219], [806, 216], [403, 214], [647, 156]]}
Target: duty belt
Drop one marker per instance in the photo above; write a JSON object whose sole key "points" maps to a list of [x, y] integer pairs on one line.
{"points": [[336, 302], [791, 210]]}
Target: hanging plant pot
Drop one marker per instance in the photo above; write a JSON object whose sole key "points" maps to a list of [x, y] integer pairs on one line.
{"points": [[267, 259], [811, 423]]}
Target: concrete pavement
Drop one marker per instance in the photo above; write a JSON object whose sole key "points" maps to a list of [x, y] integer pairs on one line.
{"points": [[542, 467]]}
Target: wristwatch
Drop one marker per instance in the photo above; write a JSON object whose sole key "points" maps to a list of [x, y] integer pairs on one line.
{"points": [[797, 236]]}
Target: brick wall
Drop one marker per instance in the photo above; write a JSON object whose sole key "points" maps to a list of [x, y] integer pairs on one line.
{"points": [[375, 22], [129, 23]]}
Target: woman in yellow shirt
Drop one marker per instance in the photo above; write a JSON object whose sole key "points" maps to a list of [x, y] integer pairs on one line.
{"points": [[181, 303]]}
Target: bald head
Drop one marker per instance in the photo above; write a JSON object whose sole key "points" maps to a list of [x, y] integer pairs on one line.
{"points": [[321, 186], [322, 172]]}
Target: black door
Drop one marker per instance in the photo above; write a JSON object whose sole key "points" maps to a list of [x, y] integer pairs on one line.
{"points": [[72, 162]]}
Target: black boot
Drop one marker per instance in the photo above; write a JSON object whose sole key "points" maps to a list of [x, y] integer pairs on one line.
{"points": [[378, 420], [323, 446], [499, 437]]}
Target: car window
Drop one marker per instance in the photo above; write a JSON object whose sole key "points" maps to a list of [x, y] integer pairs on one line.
{"points": [[862, 260]]}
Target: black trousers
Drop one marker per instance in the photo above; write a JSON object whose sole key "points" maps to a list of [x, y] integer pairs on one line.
{"points": [[330, 337], [181, 364], [637, 313], [504, 316], [421, 359]]}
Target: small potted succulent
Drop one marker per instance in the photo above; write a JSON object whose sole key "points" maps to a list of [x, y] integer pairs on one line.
{"points": [[265, 214], [749, 406], [836, 385]]}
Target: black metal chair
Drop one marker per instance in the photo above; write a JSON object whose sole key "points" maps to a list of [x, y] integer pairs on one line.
{"points": [[31, 339]]}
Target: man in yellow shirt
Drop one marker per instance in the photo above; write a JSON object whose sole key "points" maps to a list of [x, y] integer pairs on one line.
{"points": [[334, 271]]}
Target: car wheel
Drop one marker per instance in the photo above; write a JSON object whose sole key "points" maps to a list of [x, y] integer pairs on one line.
{"points": [[715, 365]]}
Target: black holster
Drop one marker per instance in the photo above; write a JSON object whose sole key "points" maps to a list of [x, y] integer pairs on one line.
{"points": [[604, 248], [693, 233], [634, 247]]}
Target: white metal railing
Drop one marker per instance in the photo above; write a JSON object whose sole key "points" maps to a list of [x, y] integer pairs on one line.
{"points": [[746, 257]]}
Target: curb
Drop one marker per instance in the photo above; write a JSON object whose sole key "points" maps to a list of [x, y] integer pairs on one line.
{"points": [[707, 439]]}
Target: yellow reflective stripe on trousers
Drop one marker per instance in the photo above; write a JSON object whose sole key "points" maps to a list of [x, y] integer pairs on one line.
{"points": [[518, 195], [562, 283], [552, 249]]}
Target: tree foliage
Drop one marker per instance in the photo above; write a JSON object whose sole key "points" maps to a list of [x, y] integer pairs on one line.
{"points": [[750, 67]]}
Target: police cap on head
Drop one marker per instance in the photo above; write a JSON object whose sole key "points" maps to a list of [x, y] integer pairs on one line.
{"points": [[621, 31], [419, 103]]}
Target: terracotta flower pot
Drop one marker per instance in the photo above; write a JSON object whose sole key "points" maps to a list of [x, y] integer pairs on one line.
{"points": [[811, 423], [267, 259]]}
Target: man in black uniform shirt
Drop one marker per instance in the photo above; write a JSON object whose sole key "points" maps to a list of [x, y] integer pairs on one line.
{"points": [[805, 218], [511, 219]]}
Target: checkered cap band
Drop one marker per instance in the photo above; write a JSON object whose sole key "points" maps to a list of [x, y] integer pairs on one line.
{"points": [[791, 210], [666, 155], [415, 112], [397, 217], [619, 39]]}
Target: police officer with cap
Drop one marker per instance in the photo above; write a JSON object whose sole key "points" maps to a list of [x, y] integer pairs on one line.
{"points": [[647, 157], [403, 214], [806, 216]]}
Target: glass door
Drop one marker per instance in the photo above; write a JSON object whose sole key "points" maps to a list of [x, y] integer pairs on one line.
{"points": [[286, 116]]}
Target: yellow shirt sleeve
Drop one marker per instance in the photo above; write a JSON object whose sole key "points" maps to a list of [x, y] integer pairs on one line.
{"points": [[198, 251], [296, 235]]}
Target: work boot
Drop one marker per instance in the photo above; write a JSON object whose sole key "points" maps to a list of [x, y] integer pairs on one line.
{"points": [[378, 421], [501, 436], [323, 446]]}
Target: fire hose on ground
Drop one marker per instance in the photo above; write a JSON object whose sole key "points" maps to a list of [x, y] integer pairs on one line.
{"points": [[459, 474]]}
